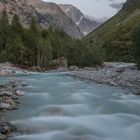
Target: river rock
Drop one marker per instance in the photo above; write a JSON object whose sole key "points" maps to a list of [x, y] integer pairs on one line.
{"points": [[11, 102], [2, 86], [5, 106], [6, 93], [20, 93], [61, 62], [2, 137], [73, 68], [14, 97], [6, 127], [24, 85]]}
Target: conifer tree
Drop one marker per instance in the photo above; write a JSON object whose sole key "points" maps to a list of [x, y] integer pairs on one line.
{"points": [[34, 38], [16, 25], [4, 31], [136, 38]]}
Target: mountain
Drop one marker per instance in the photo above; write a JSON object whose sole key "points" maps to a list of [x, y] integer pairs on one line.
{"points": [[47, 14], [18, 7], [86, 25], [115, 35], [58, 17]]}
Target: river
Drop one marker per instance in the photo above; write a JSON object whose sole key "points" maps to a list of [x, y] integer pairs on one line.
{"points": [[59, 107]]}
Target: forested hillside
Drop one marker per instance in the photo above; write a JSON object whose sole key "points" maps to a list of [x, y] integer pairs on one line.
{"points": [[116, 35], [35, 46]]}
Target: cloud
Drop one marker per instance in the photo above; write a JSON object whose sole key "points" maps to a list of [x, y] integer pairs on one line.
{"points": [[94, 8]]}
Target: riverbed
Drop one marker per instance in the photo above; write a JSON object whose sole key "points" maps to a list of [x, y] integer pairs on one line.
{"points": [[59, 107]]}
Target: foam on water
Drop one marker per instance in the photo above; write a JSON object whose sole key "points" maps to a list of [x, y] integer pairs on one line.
{"points": [[58, 107]]}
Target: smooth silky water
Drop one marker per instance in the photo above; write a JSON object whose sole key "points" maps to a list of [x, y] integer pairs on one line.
{"points": [[59, 107]]}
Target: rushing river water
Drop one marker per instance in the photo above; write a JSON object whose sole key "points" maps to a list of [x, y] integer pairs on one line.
{"points": [[59, 107]]}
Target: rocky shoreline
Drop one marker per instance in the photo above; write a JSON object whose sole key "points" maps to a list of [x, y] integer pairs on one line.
{"points": [[7, 69], [116, 74], [9, 100], [125, 75]]}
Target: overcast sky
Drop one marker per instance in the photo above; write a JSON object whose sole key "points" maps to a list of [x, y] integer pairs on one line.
{"points": [[94, 8]]}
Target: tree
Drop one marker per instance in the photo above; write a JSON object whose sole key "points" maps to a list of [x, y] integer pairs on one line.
{"points": [[33, 40], [34, 46], [4, 31], [136, 39], [45, 54], [16, 26]]}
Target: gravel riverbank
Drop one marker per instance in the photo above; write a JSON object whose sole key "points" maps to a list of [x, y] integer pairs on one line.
{"points": [[7, 69], [116, 74], [9, 100]]}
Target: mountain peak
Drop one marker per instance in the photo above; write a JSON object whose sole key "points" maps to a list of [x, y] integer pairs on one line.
{"points": [[47, 14], [85, 24]]}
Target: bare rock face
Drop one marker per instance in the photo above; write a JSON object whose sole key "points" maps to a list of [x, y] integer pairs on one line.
{"points": [[18, 7], [86, 25], [47, 14], [58, 17]]}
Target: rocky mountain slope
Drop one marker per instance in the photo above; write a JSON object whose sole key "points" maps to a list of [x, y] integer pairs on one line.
{"points": [[47, 14], [18, 7], [86, 25], [115, 35]]}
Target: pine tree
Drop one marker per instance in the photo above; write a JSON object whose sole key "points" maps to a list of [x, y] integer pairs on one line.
{"points": [[33, 40], [45, 53], [16, 26], [136, 39], [4, 31]]}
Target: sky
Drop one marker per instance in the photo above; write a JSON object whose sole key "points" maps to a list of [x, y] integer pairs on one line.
{"points": [[94, 8]]}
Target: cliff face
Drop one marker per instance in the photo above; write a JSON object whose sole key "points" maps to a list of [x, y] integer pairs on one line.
{"points": [[18, 7], [47, 14], [86, 25], [58, 17]]}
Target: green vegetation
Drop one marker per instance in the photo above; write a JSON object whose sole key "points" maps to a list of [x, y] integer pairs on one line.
{"points": [[34, 46], [115, 35], [136, 38]]}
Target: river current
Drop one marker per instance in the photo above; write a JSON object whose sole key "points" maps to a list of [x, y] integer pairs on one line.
{"points": [[59, 107]]}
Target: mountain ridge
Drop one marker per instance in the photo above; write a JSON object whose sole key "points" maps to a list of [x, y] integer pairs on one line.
{"points": [[47, 14], [86, 25], [115, 35]]}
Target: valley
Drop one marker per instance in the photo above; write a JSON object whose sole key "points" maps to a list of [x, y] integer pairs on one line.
{"points": [[67, 76]]}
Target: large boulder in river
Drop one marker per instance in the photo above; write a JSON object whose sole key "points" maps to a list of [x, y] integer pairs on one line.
{"points": [[61, 62]]}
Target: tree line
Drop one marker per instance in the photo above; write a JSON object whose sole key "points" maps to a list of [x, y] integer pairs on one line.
{"points": [[34, 46]]}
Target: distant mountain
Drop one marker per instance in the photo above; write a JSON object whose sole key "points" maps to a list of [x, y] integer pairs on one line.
{"points": [[115, 35], [47, 14], [86, 25]]}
